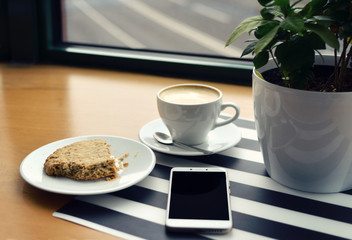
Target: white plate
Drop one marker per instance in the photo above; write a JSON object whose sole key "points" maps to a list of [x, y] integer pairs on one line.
{"points": [[141, 161], [219, 139]]}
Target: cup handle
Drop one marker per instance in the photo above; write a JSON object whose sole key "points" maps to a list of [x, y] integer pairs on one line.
{"points": [[231, 119]]}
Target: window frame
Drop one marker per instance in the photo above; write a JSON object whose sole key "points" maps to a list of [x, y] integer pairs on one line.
{"points": [[237, 71], [4, 32]]}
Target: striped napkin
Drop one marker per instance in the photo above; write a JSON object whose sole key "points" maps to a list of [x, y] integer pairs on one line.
{"points": [[261, 208]]}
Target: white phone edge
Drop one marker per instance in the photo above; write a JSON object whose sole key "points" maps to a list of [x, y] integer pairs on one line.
{"points": [[203, 226]]}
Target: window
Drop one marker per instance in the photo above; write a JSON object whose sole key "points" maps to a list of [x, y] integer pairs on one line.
{"points": [[178, 26], [176, 37]]}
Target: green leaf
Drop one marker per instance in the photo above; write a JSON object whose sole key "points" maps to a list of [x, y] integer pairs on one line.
{"points": [[264, 3], [325, 34], [245, 26], [281, 51], [305, 12], [293, 23], [264, 29], [349, 40], [261, 59], [265, 40], [249, 49], [295, 55], [267, 14], [317, 6], [312, 8], [284, 6], [299, 79], [282, 3], [315, 41], [277, 12]]}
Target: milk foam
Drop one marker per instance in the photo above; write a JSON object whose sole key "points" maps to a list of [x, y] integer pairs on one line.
{"points": [[189, 95]]}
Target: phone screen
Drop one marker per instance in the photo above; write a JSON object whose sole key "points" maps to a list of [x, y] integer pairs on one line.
{"points": [[199, 195]]}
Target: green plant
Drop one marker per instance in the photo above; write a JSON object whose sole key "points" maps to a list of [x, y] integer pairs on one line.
{"points": [[291, 34]]}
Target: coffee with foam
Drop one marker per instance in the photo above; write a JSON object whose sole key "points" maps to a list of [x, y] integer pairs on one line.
{"points": [[191, 111], [189, 95]]}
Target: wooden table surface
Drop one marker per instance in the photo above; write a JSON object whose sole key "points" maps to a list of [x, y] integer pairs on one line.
{"points": [[43, 103]]}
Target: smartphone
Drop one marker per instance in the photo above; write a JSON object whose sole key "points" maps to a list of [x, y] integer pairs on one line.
{"points": [[199, 200]]}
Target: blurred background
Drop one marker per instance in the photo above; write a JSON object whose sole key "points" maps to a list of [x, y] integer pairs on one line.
{"points": [[199, 27]]}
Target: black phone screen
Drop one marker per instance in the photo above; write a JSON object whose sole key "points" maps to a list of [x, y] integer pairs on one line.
{"points": [[199, 195]]}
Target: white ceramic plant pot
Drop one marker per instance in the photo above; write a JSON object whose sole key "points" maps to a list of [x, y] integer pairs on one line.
{"points": [[305, 137]]}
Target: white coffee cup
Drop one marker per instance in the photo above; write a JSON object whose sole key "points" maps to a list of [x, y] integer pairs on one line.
{"points": [[191, 111]]}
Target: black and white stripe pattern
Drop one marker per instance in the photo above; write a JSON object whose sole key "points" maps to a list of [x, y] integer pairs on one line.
{"points": [[261, 208]]}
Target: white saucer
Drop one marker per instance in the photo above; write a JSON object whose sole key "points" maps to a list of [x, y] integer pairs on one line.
{"points": [[219, 139], [141, 161]]}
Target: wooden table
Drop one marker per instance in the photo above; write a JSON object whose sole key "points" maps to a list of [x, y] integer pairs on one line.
{"points": [[41, 104]]}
